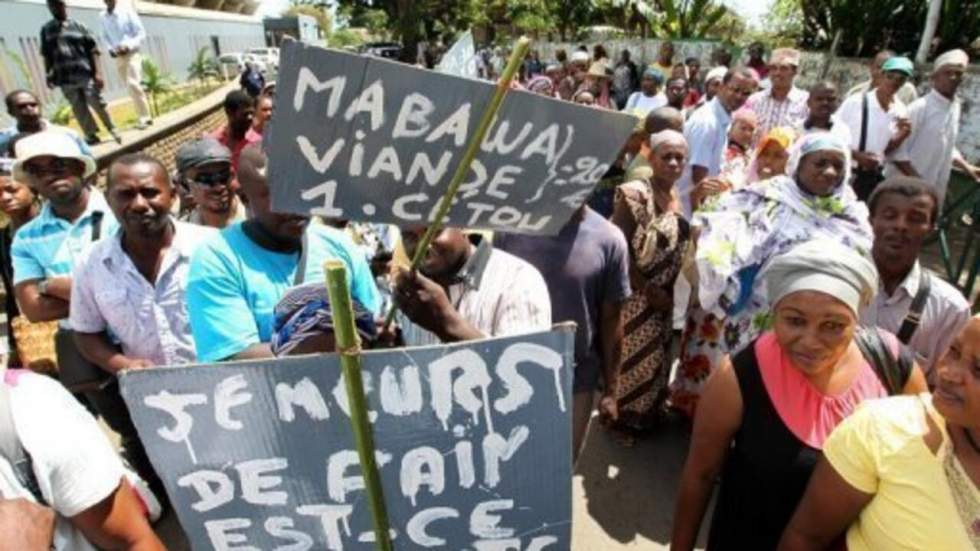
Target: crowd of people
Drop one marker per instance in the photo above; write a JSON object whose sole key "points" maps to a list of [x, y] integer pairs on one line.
{"points": [[761, 239]]}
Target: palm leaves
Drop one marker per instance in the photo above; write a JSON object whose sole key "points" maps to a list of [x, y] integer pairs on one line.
{"points": [[203, 67], [690, 18], [673, 18], [156, 83]]}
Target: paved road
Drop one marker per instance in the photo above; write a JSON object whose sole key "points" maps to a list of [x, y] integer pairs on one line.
{"points": [[623, 498]]}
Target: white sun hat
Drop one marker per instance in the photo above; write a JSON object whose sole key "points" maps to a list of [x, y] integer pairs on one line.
{"points": [[49, 143]]}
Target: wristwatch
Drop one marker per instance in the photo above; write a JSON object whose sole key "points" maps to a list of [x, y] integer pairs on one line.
{"points": [[43, 287]]}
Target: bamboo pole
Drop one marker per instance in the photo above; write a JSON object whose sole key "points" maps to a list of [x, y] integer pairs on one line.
{"points": [[349, 347], [503, 86]]}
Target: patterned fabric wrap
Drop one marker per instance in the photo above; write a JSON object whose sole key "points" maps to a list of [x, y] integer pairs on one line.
{"points": [[305, 311], [746, 228]]}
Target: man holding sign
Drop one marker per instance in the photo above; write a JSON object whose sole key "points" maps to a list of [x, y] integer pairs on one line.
{"points": [[237, 278], [467, 290]]}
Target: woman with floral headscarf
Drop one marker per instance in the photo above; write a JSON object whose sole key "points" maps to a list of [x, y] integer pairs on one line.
{"points": [[542, 85], [741, 231]]}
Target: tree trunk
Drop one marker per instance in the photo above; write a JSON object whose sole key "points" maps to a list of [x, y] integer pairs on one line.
{"points": [[932, 21], [407, 24]]}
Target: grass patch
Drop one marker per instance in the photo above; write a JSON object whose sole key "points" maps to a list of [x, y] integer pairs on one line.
{"points": [[124, 114]]}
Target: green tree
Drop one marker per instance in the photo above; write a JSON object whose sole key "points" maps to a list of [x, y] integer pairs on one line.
{"points": [[868, 26], [203, 67], [344, 38], [156, 83], [690, 18], [317, 10]]}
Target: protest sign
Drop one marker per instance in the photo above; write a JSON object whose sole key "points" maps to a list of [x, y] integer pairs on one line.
{"points": [[460, 59], [473, 443], [368, 139]]}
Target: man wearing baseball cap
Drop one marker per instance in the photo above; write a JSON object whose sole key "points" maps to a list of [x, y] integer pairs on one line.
{"points": [[906, 93], [935, 121], [879, 124], [74, 216], [204, 166], [782, 104]]}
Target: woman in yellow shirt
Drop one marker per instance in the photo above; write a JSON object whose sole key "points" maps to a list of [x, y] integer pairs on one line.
{"points": [[903, 473]]}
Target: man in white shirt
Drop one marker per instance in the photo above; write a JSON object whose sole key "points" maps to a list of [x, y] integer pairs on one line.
{"points": [[907, 93], [124, 35], [783, 104], [935, 120], [467, 290], [134, 283], [822, 103], [73, 469], [887, 124], [707, 131], [903, 214], [133, 286]]}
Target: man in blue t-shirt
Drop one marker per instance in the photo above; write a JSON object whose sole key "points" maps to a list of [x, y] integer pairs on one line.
{"points": [[237, 277]]}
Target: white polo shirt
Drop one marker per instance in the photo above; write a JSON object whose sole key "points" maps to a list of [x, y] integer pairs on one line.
{"points": [[882, 124]]}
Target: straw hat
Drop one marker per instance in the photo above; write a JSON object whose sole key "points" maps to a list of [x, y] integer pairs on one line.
{"points": [[599, 69], [49, 143]]}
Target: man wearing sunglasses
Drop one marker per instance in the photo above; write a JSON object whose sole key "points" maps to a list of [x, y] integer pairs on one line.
{"points": [[74, 215], [204, 166]]}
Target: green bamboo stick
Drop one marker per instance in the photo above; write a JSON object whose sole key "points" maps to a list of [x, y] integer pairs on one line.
{"points": [[349, 347], [503, 86]]}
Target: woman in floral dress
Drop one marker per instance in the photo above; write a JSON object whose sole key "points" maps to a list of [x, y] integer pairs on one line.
{"points": [[658, 237], [741, 231]]}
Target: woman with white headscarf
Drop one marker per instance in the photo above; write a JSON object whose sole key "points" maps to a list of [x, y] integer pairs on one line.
{"points": [[769, 408], [648, 214], [746, 228]]}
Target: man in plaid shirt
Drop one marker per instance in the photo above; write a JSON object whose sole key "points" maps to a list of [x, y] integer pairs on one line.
{"points": [[71, 62]]}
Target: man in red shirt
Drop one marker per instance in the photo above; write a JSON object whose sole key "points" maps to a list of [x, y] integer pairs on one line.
{"points": [[240, 110]]}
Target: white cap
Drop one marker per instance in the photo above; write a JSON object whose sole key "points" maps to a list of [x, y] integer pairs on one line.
{"points": [[717, 73], [952, 57], [49, 143]]}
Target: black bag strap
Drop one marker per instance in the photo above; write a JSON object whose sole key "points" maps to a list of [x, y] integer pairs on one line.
{"points": [[97, 225], [13, 450], [864, 122], [893, 372], [914, 317]]}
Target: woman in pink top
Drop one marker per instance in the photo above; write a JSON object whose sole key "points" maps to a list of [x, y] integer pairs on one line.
{"points": [[766, 412]]}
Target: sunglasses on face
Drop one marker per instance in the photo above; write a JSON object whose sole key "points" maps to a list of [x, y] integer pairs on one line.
{"points": [[55, 166], [212, 179]]}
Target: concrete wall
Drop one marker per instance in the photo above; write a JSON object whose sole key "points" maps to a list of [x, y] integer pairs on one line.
{"points": [[846, 72], [174, 35]]}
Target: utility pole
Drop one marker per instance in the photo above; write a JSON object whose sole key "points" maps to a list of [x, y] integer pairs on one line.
{"points": [[932, 21]]}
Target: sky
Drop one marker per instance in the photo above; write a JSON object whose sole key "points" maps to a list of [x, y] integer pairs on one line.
{"points": [[753, 10]]}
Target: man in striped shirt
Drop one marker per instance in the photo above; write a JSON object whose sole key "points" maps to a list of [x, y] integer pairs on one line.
{"points": [[467, 289], [71, 62], [783, 104]]}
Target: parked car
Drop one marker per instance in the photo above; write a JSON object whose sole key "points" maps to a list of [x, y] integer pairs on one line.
{"points": [[233, 63], [269, 56], [390, 50]]}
